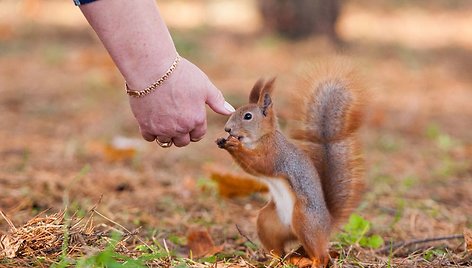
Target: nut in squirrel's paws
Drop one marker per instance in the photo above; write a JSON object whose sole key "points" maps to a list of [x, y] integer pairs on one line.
{"points": [[231, 141]]}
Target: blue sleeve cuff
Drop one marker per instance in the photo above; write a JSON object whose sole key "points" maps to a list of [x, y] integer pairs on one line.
{"points": [[82, 2]]}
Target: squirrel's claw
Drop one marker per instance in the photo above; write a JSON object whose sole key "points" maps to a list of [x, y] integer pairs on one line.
{"points": [[221, 143]]}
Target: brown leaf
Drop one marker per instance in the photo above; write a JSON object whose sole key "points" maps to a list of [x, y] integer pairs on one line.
{"points": [[201, 244], [300, 262], [233, 185], [468, 240], [121, 149], [113, 154], [9, 247]]}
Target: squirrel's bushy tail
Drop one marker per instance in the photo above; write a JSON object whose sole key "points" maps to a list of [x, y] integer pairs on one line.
{"points": [[333, 112]]}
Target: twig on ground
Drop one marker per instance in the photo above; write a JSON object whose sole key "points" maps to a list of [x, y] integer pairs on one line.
{"points": [[167, 250], [110, 220], [245, 236], [402, 244], [129, 233], [12, 226]]}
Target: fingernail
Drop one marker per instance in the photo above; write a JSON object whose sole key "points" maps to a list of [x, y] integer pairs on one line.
{"points": [[229, 107]]}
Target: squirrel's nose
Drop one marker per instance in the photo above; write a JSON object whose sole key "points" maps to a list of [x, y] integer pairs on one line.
{"points": [[228, 129]]}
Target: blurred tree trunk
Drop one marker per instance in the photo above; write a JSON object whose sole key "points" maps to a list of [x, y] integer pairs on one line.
{"points": [[301, 18]]}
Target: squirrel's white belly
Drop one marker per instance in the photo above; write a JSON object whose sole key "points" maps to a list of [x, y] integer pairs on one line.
{"points": [[282, 197]]}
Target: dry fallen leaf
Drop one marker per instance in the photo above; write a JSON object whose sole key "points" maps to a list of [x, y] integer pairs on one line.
{"points": [[113, 154], [201, 244], [300, 262], [233, 185], [121, 149], [468, 240], [9, 247]]}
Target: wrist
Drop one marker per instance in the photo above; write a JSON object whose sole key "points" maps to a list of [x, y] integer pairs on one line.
{"points": [[143, 92], [141, 72]]}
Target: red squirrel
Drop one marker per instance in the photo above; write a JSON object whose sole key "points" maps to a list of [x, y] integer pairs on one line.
{"points": [[316, 181]]}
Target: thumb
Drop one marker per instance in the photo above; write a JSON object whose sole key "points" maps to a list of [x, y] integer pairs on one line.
{"points": [[217, 102]]}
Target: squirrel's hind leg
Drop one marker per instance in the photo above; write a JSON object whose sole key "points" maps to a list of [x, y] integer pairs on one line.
{"points": [[312, 230], [272, 233]]}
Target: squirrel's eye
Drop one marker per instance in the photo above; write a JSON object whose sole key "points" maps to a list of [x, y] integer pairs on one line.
{"points": [[247, 116]]}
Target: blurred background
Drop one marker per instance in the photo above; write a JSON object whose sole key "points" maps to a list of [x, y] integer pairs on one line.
{"points": [[66, 128]]}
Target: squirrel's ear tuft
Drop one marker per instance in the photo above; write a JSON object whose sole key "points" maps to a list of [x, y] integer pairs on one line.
{"points": [[266, 103], [269, 86], [256, 91]]}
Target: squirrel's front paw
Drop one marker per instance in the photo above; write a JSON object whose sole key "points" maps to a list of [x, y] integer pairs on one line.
{"points": [[230, 143], [221, 142]]}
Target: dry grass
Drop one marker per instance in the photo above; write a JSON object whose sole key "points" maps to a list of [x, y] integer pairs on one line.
{"points": [[48, 237]]}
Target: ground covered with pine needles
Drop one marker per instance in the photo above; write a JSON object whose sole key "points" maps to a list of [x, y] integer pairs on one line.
{"points": [[79, 187]]}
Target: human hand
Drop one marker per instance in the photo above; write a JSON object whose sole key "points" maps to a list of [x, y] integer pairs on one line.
{"points": [[175, 111]]}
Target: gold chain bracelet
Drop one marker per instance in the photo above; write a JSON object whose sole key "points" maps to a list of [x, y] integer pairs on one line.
{"points": [[153, 86]]}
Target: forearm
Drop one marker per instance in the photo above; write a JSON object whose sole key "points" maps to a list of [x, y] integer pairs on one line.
{"points": [[136, 37]]}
